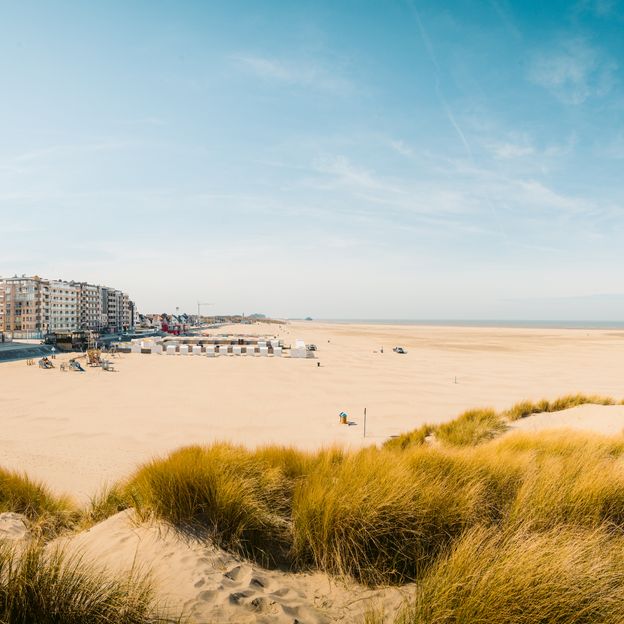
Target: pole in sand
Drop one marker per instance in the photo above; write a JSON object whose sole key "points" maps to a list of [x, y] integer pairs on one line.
{"points": [[364, 422]]}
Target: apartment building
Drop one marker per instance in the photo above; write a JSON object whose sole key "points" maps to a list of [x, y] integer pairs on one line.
{"points": [[62, 307], [90, 315], [23, 305], [32, 306]]}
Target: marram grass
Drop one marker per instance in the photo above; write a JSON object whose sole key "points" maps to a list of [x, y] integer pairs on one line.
{"points": [[43, 587], [481, 523], [565, 575], [47, 513]]}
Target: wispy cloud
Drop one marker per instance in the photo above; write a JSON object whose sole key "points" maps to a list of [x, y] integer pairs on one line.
{"points": [[70, 149], [509, 150], [303, 73], [402, 148], [573, 71], [344, 172]]}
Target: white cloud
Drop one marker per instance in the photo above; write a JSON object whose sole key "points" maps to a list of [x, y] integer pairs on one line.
{"points": [[402, 148], [508, 151], [299, 73], [573, 71]]}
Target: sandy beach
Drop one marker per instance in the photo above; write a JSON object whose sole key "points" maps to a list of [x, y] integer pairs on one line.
{"points": [[78, 432]]}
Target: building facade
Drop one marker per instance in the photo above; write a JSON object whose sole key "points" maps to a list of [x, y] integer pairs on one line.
{"points": [[30, 307]]}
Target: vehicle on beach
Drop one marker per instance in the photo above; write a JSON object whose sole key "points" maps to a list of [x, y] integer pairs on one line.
{"points": [[311, 347], [399, 350]]}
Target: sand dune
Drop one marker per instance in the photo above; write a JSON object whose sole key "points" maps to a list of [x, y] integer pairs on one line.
{"points": [[210, 585]]}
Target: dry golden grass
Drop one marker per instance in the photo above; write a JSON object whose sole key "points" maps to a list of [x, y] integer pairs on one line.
{"points": [[517, 515], [562, 576], [48, 588], [47, 513]]}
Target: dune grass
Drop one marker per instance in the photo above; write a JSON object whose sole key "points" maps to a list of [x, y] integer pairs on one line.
{"points": [[50, 588], [417, 437], [471, 427], [527, 408], [482, 424], [563, 576], [511, 514], [223, 490], [47, 513]]}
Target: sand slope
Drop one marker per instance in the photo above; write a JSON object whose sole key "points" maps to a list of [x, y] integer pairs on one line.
{"points": [[210, 585], [603, 419]]}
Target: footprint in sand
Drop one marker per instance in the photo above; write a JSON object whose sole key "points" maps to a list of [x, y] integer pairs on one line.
{"points": [[208, 595], [257, 582]]}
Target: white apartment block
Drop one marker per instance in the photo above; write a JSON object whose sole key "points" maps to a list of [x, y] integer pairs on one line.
{"points": [[32, 306], [89, 306], [62, 308]]}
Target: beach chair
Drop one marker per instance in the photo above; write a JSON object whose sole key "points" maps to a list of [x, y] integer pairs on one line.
{"points": [[76, 366]]}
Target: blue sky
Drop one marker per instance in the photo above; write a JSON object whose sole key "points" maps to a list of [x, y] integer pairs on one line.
{"points": [[358, 159]]}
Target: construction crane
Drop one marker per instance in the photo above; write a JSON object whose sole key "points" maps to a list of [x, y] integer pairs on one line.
{"points": [[199, 305]]}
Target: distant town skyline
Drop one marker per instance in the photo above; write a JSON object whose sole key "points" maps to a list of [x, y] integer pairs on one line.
{"points": [[402, 159]]}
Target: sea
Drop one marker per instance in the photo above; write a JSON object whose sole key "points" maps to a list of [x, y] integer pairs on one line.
{"points": [[493, 323]]}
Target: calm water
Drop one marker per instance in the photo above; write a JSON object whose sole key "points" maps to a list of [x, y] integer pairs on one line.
{"points": [[484, 323]]}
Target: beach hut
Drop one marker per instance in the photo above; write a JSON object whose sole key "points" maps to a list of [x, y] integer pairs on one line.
{"points": [[184, 349], [171, 349], [157, 349], [210, 350], [264, 351], [250, 350], [237, 350], [135, 347], [277, 351], [197, 350], [299, 352], [223, 349]]}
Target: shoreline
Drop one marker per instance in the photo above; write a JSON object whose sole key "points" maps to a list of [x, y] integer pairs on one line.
{"points": [[484, 323]]}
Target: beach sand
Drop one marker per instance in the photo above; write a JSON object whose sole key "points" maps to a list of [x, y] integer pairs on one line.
{"points": [[80, 431]]}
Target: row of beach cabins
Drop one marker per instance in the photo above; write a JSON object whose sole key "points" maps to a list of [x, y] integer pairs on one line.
{"points": [[220, 346]]}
